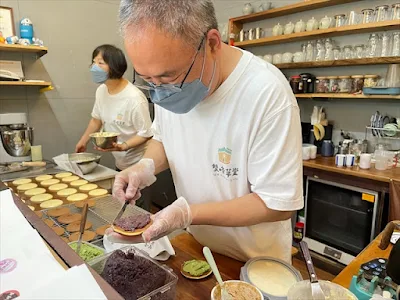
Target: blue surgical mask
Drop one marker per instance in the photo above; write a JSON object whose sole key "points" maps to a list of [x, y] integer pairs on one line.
{"points": [[181, 99], [98, 74]]}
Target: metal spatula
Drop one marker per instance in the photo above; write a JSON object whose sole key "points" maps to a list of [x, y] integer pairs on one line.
{"points": [[121, 212], [82, 228], [316, 290]]}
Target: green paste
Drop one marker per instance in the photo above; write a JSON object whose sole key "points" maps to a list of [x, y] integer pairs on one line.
{"points": [[87, 252], [196, 267]]}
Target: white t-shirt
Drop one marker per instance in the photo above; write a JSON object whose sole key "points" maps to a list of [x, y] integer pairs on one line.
{"points": [[127, 113], [244, 138]]}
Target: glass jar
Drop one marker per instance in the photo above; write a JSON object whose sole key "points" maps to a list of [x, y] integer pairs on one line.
{"points": [[371, 80], [320, 50], [336, 53], [344, 84], [333, 84], [373, 45], [329, 49], [385, 49], [357, 84], [396, 44], [340, 20], [247, 9], [310, 51], [368, 15], [298, 232], [381, 13], [359, 51], [347, 52], [395, 12], [321, 85], [294, 83]]}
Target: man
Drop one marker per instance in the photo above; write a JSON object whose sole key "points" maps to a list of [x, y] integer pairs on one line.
{"points": [[227, 125]]}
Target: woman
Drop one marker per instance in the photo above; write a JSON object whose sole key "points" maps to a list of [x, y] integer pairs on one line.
{"points": [[119, 107]]}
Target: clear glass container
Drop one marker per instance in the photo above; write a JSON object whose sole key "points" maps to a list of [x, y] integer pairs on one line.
{"points": [[368, 16], [359, 51], [395, 15], [333, 84], [373, 45], [304, 49], [344, 84], [347, 52], [386, 43], [320, 50], [310, 56], [336, 53], [357, 84], [340, 20], [396, 44], [371, 80], [321, 85], [381, 13], [329, 49]]}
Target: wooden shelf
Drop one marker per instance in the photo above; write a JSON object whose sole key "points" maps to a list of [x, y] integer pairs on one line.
{"points": [[321, 33], [347, 96], [19, 48], [341, 62], [289, 9], [23, 83]]}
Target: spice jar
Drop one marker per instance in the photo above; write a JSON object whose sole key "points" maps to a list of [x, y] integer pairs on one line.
{"points": [[321, 84], [333, 84], [367, 15], [298, 232], [336, 53], [357, 83], [294, 83], [344, 84], [359, 51], [381, 13], [347, 52], [370, 80]]}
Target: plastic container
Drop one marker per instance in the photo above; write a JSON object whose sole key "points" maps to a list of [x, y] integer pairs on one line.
{"points": [[167, 291], [321, 85], [333, 85], [91, 246], [294, 83], [289, 271], [357, 83], [370, 81], [381, 91], [344, 84], [235, 282]]}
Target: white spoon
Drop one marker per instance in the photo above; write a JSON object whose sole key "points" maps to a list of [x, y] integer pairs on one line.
{"points": [[210, 259]]}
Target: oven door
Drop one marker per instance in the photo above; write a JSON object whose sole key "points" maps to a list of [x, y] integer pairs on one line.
{"points": [[340, 219]]}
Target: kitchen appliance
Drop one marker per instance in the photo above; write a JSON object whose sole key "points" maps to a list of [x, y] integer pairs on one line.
{"points": [[372, 276], [16, 138], [327, 148], [339, 219]]}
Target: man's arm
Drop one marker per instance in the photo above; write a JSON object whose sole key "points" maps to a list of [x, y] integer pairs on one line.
{"points": [[155, 151], [239, 212]]}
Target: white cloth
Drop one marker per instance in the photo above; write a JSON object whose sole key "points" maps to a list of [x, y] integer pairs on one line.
{"points": [[244, 138], [127, 113]]}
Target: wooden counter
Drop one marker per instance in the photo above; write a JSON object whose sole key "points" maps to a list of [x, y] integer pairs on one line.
{"points": [[371, 252], [328, 164]]}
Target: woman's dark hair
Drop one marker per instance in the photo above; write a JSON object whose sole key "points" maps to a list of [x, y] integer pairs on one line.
{"points": [[114, 58]]}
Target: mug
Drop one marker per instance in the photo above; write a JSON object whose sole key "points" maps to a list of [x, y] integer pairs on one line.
{"points": [[287, 57], [313, 152], [340, 160], [268, 58], [306, 152], [277, 58], [350, 160], [298, 57], [365, 161]]}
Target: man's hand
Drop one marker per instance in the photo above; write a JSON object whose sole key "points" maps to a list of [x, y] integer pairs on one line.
{"points": [[80, 147], [115, 147], [176, 216], [129, 182]]}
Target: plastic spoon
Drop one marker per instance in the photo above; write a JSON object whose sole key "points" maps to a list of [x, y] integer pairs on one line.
{"points": [[210, 259]]}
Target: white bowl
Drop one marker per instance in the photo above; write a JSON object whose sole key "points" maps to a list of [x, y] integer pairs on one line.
{"points": [[242, 282]]}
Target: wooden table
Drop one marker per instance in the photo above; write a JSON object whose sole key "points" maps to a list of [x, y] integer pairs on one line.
{"points": [[371, 252]]}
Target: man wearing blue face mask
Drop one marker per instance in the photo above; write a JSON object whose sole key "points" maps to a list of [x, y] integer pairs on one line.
{"points": [[227, 125]]}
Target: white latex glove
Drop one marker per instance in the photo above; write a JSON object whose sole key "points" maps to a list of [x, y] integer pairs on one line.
{"points": [[129, 182], [175, 216]]}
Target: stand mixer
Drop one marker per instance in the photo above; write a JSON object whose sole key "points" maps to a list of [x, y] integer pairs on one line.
{"points": [[16, 138]]}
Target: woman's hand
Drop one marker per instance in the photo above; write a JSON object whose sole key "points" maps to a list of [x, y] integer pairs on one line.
{"points": [[176, 216], [115, 147]]}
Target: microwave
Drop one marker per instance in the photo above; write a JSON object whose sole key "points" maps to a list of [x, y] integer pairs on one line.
{"points": [[339, 219]]}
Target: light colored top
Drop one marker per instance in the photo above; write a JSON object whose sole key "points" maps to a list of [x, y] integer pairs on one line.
{"points": [[34, 192], [27, 186], [49, 182], [51, 203], [88, 187], [41, 198], [78, 183], [127, 113], [67, 192], [21, 181], [244, 138], [43, 177], [70, 178], [77, 197], [63, 175], [98, 192], [58, 187]]}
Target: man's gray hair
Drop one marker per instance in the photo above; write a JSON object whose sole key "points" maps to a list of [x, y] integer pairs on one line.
{"points": [[185, 19]]}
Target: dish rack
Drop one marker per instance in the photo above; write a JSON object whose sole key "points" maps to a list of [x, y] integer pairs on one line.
{"points": [[380, 133], [103, 213]]}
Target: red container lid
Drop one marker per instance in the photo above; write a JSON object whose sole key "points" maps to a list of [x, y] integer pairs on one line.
{"points": [[300, 224], [296, 76]]}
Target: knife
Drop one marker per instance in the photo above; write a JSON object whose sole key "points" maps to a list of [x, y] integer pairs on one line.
{"points": [[82, 228], [121, 212]]}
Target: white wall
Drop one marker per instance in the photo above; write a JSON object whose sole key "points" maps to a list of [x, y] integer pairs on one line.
{"points": [[347, 114]]}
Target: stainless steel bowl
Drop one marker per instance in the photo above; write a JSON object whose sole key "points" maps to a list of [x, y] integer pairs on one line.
{"points": [[104, 140], [17, 142], [86, 162]]}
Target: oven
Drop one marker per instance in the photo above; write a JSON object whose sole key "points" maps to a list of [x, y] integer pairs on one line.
{"points": [[339, 219]]}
